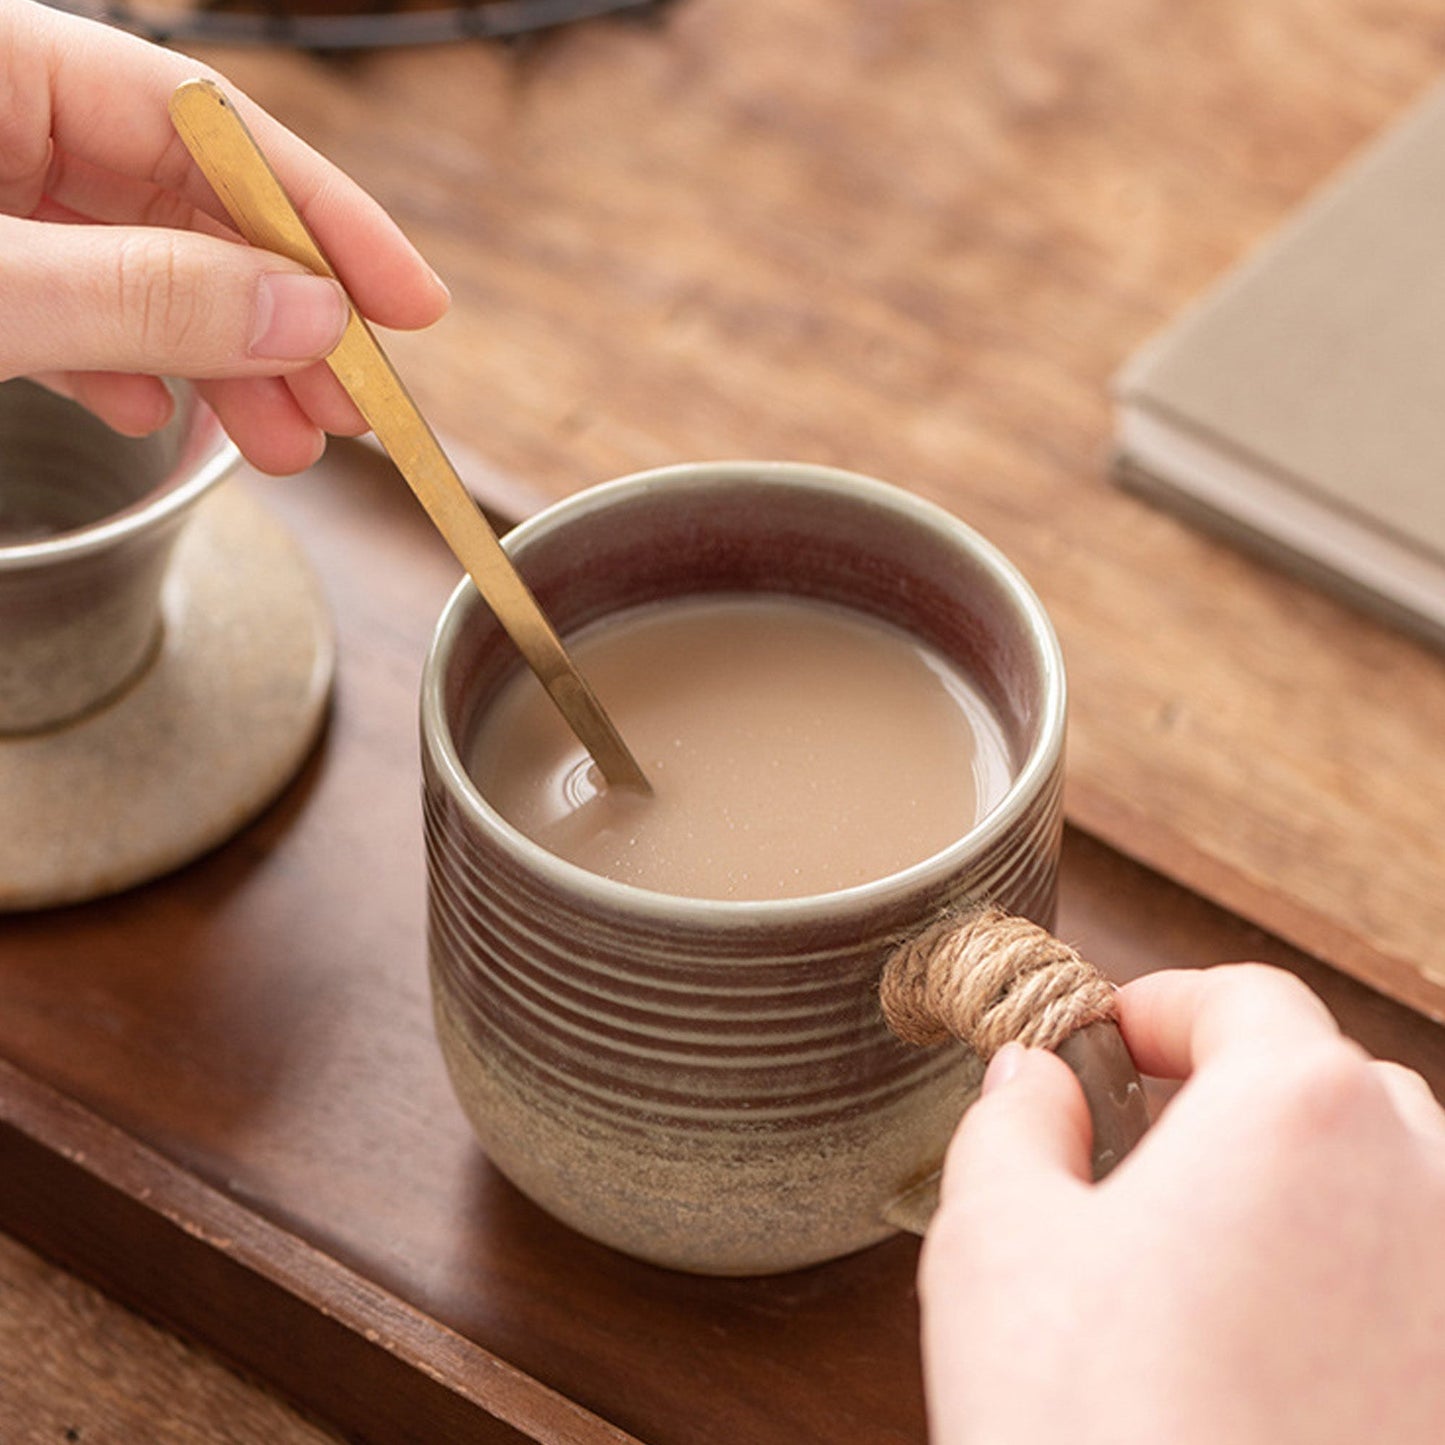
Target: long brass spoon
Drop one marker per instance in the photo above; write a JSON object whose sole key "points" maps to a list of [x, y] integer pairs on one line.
{"points": [[233, 163]]}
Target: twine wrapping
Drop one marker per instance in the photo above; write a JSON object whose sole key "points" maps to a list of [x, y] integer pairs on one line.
{"points": [[987, 978]]}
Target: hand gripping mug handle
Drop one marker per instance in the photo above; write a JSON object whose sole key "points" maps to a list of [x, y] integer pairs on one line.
{"points": [[988, 978]]}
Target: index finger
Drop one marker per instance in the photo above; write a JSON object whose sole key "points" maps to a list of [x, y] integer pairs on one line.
{"points": [[1176, 1020], [109, 105]]}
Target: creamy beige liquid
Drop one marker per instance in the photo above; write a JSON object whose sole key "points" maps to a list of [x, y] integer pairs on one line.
{"points": [[793, 747]]}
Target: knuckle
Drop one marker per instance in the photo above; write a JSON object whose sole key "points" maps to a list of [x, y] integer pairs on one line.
{"points": [[1263, 989], [1410, 1087], [26, 153], [1270, 977], [1405, 1076], [1326, 1088], [154, 304]]}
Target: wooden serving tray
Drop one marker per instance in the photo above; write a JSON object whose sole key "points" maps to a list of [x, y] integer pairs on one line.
{"points": [[220, 1098]]}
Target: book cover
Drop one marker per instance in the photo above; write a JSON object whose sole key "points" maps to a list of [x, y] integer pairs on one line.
{"points": [[1299, 406]]}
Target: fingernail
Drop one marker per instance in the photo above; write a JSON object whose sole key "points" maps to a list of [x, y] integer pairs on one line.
{"points": [[297, 317], [1002, 1067]]}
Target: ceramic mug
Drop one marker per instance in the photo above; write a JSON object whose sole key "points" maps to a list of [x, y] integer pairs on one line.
{"points": [[88, 519], [710, 1085]]}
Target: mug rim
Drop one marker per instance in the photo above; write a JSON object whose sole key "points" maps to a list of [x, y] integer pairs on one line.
{"points": [[173, 493], [593, 888]]}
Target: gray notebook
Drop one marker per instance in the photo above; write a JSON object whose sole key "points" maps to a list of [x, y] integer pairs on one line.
{"points": [[1299, 407]]}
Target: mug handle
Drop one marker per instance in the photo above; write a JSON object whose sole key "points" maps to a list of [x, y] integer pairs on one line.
{"points": [[987, 977]]}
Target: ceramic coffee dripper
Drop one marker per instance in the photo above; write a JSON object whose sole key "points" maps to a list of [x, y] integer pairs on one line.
{"points": [[88, 519], [165, 653], [710, 1085]]}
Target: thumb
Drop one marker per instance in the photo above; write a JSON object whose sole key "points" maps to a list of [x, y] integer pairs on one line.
{"points": [[143, 299], [1029, 1127]]}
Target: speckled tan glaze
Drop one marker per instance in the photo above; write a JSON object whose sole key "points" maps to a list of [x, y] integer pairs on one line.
{"points": [[710, 1084]]}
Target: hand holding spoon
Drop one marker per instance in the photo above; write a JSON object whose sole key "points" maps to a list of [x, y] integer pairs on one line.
{"points": [[239, 173]]}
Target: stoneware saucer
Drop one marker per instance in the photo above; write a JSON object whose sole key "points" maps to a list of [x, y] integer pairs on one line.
{"points": [[200, 742]]}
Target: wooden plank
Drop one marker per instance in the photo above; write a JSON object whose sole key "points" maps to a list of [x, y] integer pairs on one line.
{"points": [[78, 1366], [148, 1233], [922, 252]]}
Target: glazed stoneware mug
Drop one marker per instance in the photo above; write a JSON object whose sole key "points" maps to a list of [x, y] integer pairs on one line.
{"points": [[711, 1085]]}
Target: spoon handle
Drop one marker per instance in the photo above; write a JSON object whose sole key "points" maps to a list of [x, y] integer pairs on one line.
{"points": [[242, 178]]}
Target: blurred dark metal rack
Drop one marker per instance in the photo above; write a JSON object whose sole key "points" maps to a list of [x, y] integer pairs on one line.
{"points": [[375, 27]]}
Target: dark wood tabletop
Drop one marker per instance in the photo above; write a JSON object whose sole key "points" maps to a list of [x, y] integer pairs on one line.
{"points": [[912, 238]]}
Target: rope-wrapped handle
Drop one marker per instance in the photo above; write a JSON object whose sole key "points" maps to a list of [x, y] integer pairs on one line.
{"points": [[988, 978]]}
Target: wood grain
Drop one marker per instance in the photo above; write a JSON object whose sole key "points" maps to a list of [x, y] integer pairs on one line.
{"points": [[147, 1231], [78, 1367], [917, 239]]}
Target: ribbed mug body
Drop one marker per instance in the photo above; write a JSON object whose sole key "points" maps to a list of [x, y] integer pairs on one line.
{"points": [[709, 1084]]}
